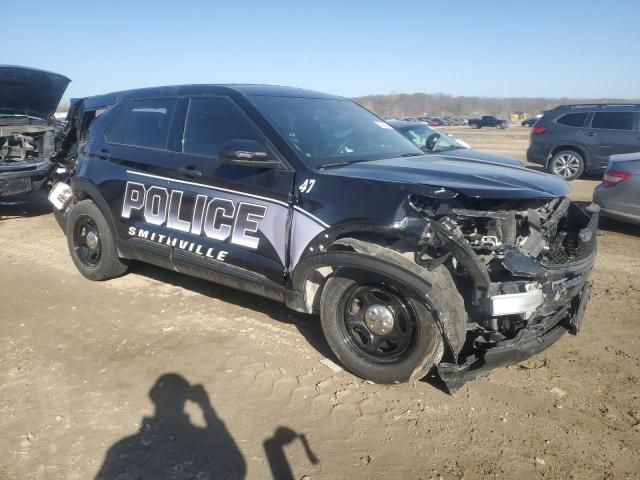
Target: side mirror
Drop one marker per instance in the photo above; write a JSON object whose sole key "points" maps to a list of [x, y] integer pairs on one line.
{"points": [[246, 152], [432, 141]]}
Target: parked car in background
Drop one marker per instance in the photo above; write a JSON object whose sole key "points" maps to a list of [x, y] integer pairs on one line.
{"points": [[431, 140], [571, 140], [529, 122], [29, 134], [619, 193], [487, 121], [458, 122]]}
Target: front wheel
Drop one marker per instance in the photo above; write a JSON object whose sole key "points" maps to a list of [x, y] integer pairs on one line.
{"points": [[91, 243], [567, 164], [378, 329]]}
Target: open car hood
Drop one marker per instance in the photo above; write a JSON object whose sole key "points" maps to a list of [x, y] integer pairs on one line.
{"points": [[475, 178], [30, 91]]}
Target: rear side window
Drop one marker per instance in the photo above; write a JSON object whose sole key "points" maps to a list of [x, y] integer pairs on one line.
{"points": [[613, 120], [573, 119], [213, 121], [148, 123]]}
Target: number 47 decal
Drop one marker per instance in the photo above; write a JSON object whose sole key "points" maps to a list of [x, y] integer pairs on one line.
{"points": [[307, 185]]}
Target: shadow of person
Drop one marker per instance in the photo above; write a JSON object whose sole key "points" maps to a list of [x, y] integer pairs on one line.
{"points": [[274, 448], [169, 446]]}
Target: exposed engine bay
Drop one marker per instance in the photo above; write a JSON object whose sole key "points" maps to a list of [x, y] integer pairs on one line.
{"points": [[520, 265], [23, 143], [552, 232]]}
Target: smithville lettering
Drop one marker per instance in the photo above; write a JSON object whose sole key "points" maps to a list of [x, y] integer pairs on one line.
{"points": [[185, 245]]}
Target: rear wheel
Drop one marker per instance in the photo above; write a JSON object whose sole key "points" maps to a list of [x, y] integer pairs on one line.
{"points": [[567, 164], [378, 329], [91, 243]]}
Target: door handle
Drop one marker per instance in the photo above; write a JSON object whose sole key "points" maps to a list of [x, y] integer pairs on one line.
{"points": [[189, 171], [103, 154], [590, 134]]}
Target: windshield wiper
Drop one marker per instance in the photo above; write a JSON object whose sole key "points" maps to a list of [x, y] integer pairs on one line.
{"points": [[412, 154], [340, 164]]}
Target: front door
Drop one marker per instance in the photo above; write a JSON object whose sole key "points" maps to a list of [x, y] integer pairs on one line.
{"points": [[224, 216]]}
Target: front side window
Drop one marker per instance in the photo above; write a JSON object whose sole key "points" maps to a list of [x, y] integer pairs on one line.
{"points": [[148, 123], [330, 130], [613, 120], [573, 119], [211, 122]]}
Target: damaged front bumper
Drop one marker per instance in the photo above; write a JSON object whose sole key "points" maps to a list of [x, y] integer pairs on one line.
{"points": [[24, 178], [528, 342], [531, 303]]}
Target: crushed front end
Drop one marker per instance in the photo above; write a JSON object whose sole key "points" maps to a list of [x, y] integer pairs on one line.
{"points": [[522, 267]]}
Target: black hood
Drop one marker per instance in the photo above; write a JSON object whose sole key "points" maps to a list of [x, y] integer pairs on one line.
{"points": [[27, 90], [472, 177], [469, 153]]}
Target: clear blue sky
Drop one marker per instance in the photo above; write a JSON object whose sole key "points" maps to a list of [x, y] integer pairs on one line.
{"points": [[351, 48]]}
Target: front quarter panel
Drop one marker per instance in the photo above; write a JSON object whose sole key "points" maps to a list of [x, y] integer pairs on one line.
{"points": [[330, 206]]}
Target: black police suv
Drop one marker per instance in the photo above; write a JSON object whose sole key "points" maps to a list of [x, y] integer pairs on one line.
{"points": [[411, 260]]}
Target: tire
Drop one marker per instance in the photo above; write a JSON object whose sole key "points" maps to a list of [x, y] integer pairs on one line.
{"points": [[567, 164], [424, 350], [86, 227]]}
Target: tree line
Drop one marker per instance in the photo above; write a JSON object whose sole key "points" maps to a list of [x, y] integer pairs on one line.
{"points": [[440, 104]]}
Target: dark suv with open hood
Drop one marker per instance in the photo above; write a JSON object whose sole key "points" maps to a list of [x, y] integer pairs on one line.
{"points": [[29, 135], [411, 260]]}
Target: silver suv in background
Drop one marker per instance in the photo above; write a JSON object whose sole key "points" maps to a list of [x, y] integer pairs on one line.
{"points": [[571, 140]]}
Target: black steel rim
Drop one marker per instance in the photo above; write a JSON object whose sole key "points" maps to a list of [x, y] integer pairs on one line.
{"points": [[389, 348], [88, 253]]}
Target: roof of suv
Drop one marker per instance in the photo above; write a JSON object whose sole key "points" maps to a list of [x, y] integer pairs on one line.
{"points": [[591, 106], [204, 89]]}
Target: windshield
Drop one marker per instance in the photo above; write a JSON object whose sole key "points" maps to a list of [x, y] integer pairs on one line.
{"points": [[429, 139], [328, 131]]}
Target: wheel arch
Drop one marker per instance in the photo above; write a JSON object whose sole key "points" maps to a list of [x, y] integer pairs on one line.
{"points": [[85, 190], [349, 253], [569, 146]]}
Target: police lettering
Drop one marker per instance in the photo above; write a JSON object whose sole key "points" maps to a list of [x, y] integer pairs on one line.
{"points": [[216, 218]]}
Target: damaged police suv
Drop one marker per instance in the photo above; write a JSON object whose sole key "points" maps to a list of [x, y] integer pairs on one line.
{"points": [[411, 261]]}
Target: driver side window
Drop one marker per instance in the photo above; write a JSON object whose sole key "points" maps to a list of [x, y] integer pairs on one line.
{"points": [[211, 122]]}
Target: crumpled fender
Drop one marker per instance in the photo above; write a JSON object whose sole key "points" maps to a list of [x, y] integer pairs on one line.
{"points": [[435, 287]]}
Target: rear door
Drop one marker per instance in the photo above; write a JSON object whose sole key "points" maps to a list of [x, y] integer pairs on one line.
{"points": [[610, 133], [226, 216], [133, 162]]}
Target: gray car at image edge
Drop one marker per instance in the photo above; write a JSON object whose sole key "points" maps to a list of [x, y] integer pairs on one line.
{"points": [[571, 140], [619, 193]]}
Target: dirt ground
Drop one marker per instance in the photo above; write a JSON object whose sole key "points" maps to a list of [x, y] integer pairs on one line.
{"points": [[190, 380]]}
